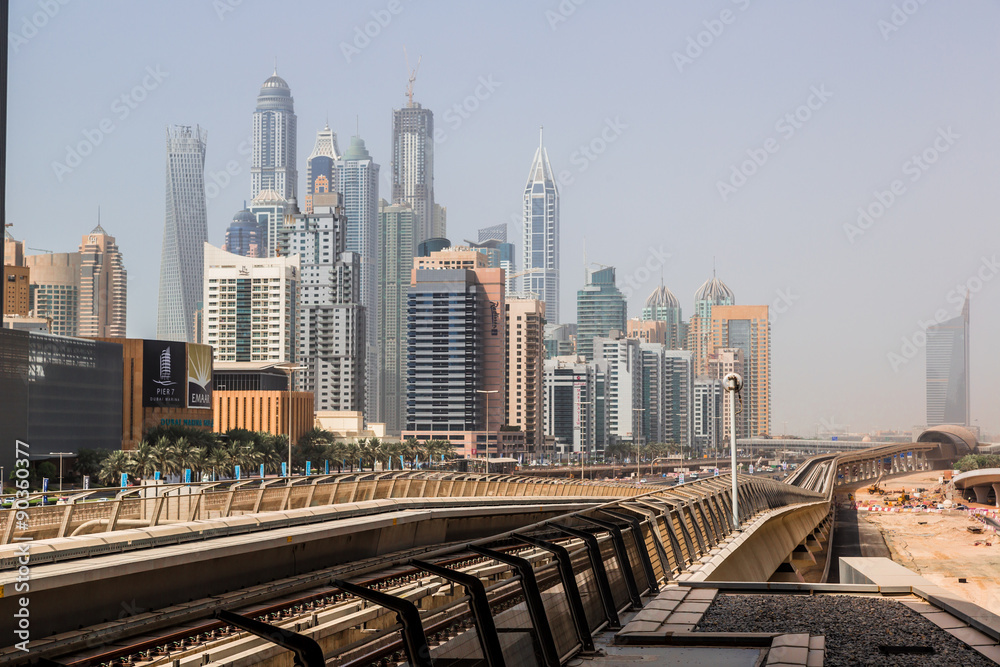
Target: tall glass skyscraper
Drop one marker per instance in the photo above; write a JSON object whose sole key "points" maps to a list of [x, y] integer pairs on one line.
{"points": [[541, 234], [413, 165], [948, 371], [321, 166], [600, 309], [274, 132], [395, 251], [184, 233], [357, 181]]}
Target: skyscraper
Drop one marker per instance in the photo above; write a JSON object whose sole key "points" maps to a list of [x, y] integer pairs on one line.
{"points": [[600, 309], [246, 236], [357, 181], [624, 408], [663, 306], [667, 393], [524, 372], [948, 371], [395, 251], [270, 208], [321, 166], [250, 311], [55, 289], [494, 241], [748, 329], [541, 234], [184, 232], [456, 344], [103, 286], [274, 132], [713, 292], [413, 165], [330, 319]]}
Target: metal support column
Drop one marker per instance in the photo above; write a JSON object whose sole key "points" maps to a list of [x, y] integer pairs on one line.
{"points": [[532, 598], [640, 544], [618, 540], [414, 638], [486, 629], [306, 650], [600, 573]]}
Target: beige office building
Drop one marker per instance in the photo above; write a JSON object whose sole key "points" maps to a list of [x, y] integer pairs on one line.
{"points": [[55, 289]]}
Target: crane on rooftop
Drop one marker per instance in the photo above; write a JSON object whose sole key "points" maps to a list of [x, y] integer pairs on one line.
{"points": [[412, 76]]}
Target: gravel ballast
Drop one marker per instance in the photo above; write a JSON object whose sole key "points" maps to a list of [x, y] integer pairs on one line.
{"points": [[854, 627]]}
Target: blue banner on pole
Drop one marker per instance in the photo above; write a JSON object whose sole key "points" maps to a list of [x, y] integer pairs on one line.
{"points": [[326, 467], [262, 471], [45, 484], [237, 472], [187, 475], [309, 465], [400, 461], [284, 469], [124, 479], [156, 475]]}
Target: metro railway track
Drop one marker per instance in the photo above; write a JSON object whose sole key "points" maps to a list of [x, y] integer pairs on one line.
{"points": [[147, 651]]}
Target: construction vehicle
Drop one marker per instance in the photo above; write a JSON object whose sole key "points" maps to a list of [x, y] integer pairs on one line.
{"points": [[876, 487]]}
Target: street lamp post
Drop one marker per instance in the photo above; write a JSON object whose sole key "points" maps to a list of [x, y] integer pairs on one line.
{"points": [[61, 455], [638, 434], [488, 392], [733, 384], [290, 368], [583, 441]]}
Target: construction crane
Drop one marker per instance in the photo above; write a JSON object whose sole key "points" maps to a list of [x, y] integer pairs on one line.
{"points": [[412, 76], [41, 250], [523, 294]]}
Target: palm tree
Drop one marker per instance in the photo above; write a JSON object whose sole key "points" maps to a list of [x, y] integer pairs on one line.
{"points": [[163, 456], [143, 463], [116, 463], [352, 453], [218, 461]]}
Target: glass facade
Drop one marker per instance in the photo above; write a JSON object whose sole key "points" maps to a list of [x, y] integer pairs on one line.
{"points": [[58, 394]]}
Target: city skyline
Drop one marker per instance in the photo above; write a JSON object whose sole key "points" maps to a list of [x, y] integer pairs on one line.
{"points": [[802, 214]]}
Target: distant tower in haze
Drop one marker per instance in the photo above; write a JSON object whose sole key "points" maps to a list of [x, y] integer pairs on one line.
{"points": [[321, 166], [663, 306], [541, 234], [600, 310], [103, 286], [948, 370], [246, 236], [185, 232], [274, 132], [413, 163]]}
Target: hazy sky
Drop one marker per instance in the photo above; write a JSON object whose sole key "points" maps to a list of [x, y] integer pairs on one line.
{"points": [[747, 132]]}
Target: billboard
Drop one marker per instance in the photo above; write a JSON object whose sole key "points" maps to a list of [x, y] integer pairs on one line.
{"points": [[199, 376], [163, 374]]}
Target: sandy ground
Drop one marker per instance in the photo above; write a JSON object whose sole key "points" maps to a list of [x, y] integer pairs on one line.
{"points": [[937, 545]]}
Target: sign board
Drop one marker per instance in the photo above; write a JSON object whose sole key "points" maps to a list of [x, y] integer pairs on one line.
{"points": [[199, 376], [164, 366], [680, 478], [751, 468], [716, 472]]}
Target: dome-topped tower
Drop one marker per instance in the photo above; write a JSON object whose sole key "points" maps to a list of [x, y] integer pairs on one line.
{"points": [[662, 298], [274, 132], [715, 291]]}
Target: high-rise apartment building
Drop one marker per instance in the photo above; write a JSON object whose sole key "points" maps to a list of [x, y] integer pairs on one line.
{"points": [[524, 370], [663, 306], [948, 371], [456, 345], [648, 331], [560, 339], [103, 287], [321, 166], [274, 132], [55, 289], [493, 242], [722, 362], [270, 209], [16, 290], [246, 236], [574, 406], [623, 396], [13, 250], [330, 319], [185, 230], [600, 309], [540, 243], [357, 181], [748, 328], [249, 306], [395, 266], [707, 421], [413, 166], [666, 395]]}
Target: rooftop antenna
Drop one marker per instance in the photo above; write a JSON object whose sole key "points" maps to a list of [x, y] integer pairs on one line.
{"points": [[412, 76], [276, 66], [586, 272], [713, 266], [541, 128]]}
